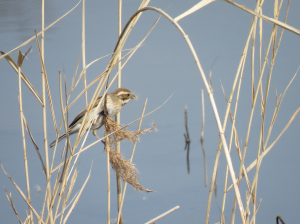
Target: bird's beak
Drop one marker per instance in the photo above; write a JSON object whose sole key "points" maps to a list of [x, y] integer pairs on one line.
{"points": [[134, 97]]}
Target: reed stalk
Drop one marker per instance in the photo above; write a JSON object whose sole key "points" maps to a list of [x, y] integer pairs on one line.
{"points": [[20, 61], [131, 158], [118, 116], [83, 52]]}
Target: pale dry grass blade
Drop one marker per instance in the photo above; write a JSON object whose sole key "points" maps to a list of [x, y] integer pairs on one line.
{"points": [[34, 143], [32, 38], [118, 116], [45, 138], [83, 51], [57, 187], [268, 19], [74, 76], [46, 83], [107, 149], [286, 14], [78, 196], [9, 198], [20, 62], [22, 194], [131, 158], [274, 142], [235, 136], [72, 183], [163, 215], [257, 207], [196, 7], [67, 206], [26, 81]]}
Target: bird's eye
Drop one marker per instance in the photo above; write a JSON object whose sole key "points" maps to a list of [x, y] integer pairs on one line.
{"points": [[128, 94]]}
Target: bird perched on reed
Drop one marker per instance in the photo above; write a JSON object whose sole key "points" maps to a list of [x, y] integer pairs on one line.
{"points": [[115, 101]]}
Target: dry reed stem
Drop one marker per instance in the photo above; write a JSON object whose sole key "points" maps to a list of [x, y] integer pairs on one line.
{"points": [[46, 82], [9, 198], [268, 19], [276, 110], [163, 215], [131, 158], [67, 206], [34, 144], [118, 116], [32, 38], [108, 161], [235, 135], [56, 187], [78, 196], [26, 81], [83, 51], [195, 8], [74, 76], [253, 217], [20, 62], [21, 193]]}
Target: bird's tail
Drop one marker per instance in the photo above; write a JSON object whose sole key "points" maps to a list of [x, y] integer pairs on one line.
{"points": [[72, 130], [59, 139]]}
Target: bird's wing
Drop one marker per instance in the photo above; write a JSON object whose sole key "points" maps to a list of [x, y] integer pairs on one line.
{"points": [[77, 118], [82, 113]]}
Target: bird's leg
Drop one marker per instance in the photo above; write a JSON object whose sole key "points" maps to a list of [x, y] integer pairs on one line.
{"points": [[95, 134]]}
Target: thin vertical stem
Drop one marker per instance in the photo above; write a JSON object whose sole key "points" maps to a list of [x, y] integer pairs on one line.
{"points": [[20, 60], [44, 116], [83, 51], [131, 158], [108, 178], [118, 117]]}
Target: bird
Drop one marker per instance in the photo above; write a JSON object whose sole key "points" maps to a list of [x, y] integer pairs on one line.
{"points": [[115, 101]]}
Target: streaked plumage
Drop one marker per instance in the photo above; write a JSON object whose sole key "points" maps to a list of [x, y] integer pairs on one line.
{"points": [[115, 101]]}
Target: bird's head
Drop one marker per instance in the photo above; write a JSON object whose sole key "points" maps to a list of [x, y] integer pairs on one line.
{"points": [[124, 94]]}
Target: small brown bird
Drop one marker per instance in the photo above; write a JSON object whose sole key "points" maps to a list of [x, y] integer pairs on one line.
{"points": [[115, 101]]}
